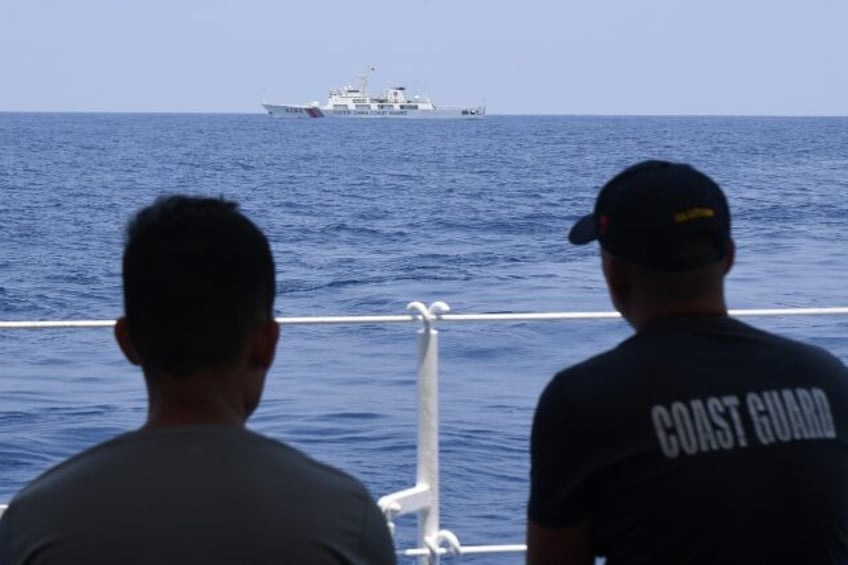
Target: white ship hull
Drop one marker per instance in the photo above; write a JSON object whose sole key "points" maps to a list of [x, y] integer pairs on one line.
{"points": [[350, 102], [303, 112]]}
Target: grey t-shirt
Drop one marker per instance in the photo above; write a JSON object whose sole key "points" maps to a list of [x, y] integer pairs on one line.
{"points": [[194, 494]]}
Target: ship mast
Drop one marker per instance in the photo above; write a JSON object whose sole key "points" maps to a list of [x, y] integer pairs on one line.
{"points": [[363, 80]]}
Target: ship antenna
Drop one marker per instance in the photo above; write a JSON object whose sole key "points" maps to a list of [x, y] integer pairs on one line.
{"points": [[363, 80]]}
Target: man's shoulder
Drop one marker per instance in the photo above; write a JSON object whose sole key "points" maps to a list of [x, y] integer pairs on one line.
{"points": [[157, 486], [704, 338], [698, 344], [786, 350], [76, 465], [581, 381], [610, 362], [169, 454], [287, 457]]}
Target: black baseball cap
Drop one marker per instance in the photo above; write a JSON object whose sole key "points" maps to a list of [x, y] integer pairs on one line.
{"points": [[651, 213]]}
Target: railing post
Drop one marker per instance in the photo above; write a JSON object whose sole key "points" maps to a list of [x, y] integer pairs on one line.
{"points": [[428, 439], [427, 474]]}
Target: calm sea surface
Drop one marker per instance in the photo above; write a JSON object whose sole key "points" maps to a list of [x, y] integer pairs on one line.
{"points": [[364, 217]]}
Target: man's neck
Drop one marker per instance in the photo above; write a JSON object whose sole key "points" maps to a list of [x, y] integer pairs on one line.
{"points": [[194, 400], [639, 317]]}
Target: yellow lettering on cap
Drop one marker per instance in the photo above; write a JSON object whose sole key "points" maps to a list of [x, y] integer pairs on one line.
{"points": [[693, 214]]}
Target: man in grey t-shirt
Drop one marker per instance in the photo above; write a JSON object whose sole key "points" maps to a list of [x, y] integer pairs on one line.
{"points": [[193, 485]]}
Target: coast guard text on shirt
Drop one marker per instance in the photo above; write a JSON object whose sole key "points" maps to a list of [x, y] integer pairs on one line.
{"points": [[724, 422]]}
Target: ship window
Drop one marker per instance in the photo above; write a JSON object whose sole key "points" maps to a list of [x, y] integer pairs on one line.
{"points": [[360, 100], [409, 106], [386, 106], [363, 106], [340, 106]]}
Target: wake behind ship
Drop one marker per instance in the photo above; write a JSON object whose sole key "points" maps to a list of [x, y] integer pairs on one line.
{"points": [[351, 102]]}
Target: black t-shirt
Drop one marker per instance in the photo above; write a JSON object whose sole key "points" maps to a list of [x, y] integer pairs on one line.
{"points": [[698, 440]]}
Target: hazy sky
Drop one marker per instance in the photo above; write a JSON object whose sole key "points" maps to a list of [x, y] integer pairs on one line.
{"points": [[763, 57]]}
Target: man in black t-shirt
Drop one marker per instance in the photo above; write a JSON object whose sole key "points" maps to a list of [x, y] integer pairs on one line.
{"points": [[699, 439]]}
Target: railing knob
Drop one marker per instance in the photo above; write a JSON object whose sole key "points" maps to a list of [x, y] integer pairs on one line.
{"points": [[447, 536], [428, 315]]}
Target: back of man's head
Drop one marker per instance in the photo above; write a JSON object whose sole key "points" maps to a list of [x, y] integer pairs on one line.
{"points": [[659, 215], [664, 229], [198, 275]]}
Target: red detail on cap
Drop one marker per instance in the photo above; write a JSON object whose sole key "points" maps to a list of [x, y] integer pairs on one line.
{"points": [[603, 224]]}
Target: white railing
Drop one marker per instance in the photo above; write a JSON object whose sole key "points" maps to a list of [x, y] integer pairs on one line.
{"points": [[423, 497]]}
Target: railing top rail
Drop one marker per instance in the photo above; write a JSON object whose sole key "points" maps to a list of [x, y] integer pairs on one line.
{"points": [[483, 317]]}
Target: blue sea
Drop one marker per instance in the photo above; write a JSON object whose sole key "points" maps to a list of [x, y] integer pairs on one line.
{"points": [[364, 217]]}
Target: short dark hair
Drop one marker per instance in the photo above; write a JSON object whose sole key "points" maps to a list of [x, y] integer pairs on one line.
{"points": [[197, 276]]}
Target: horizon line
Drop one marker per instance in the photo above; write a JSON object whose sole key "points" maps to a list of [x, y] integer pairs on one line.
{"points": [[488, 114]]}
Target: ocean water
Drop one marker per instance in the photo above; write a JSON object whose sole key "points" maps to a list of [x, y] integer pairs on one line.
{"points": [[364, 217]]}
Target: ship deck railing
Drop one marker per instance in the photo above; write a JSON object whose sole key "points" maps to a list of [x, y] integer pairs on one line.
{"points": [[422, 498]]}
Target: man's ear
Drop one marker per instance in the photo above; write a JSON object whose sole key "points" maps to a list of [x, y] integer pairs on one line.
{"points": [[618, 280], [619, 284], [729, 256], [263, 344], [122, 336]]}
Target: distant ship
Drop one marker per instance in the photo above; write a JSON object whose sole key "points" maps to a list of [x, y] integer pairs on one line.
{"points": [[350, 102]]}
